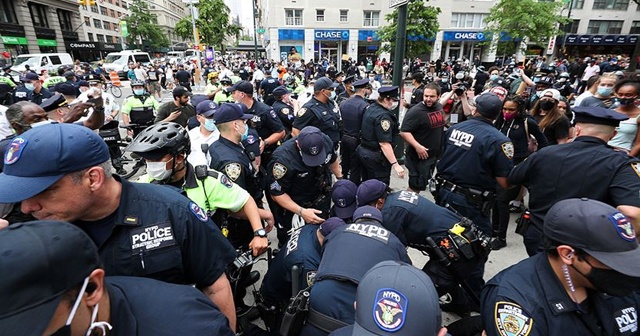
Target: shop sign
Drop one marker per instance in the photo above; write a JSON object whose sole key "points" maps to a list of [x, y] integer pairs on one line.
{"points": [[14, 40], [325, 34], [601, 39], [464, 36], [47, 43], [82, 45]]}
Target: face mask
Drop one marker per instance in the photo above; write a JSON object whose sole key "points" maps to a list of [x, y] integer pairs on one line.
{"points": [[245, 134], [493, 77], [29, 86], [546, 105], [158, 170], [626, 101], [562, 80], [210, 125], [66, 330], [42, 123], [611, 282], [333, 95], [444, 80], [509, 116], [394, 105], [138, 92], [539, 93], [604, 91]]}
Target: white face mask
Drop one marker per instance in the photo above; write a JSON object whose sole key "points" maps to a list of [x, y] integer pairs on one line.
{"points": [[158, 170], [42, 123], [66, 330], [394, 105]]}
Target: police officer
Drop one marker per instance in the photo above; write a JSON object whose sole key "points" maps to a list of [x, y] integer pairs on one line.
{"points": [[352, 111], [340, 88], [141, 229], [224, 96], [304, 251], [284, 108], [348, 92], [585, 282], [139, 108], [52, 81], [367, 243], [418, 89], [321, 111], [266, 88], [265, 120], [299, 180], [413, 218], [378, 132], [343, 196], [7, 85], [614, 178], [476, 157], [32, 90], [183, 77]]}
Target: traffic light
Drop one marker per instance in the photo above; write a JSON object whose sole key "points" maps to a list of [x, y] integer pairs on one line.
{"points": [[82, 2], [91, 2]]}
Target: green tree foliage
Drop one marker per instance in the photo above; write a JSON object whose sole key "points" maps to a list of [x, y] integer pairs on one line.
{"points": [[535, 21], [213, 24], [422, 24], [142, 24]]}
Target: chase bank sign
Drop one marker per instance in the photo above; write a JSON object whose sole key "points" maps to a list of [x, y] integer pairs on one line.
{"points": [[327, 34], [464, 36]]}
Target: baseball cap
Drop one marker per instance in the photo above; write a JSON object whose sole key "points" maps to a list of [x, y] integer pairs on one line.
{"points": [[196, 99], [41, 260], [323, 84], [488, 105], [367, 212], [65, 148], [242, 86], [598, 115], [343, 196], [311, 142], [280, 91], [329, 225], [553, 93], [83, 83], [597, 228], [206, 108], [369, 191], [66, 89], [29, 76], [229, 112], [402, 289], [69, 74], [180, 91]]}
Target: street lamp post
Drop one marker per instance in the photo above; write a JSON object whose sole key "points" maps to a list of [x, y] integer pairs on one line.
{"points": [[255, 30]]}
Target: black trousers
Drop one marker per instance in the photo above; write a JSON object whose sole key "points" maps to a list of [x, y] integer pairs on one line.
{"points": [[351, 169], [374, 165]]}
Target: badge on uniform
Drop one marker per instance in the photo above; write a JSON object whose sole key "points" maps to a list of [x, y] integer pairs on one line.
{"points": [[273, 114], [507, 149], [152, 237], [285, 111], [225, 181], [385, 124], [512, 320], [626, 320], [233, 170], [278, 170], [14, 150], [198, 212], [302, 111], [636, 168], [256, 119], [275, 186], [623, 226], [390, 309]]}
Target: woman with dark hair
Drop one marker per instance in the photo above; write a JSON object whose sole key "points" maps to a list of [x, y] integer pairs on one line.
{"points": [[518, 126], [628, 137], [553, 123]]}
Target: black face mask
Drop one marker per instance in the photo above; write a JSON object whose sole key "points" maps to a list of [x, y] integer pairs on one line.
{"points": [[64, 331], [546, 105], [626, 101], [611, 282]]}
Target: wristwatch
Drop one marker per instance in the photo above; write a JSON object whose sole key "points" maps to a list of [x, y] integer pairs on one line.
{"points": [[260, 233]]}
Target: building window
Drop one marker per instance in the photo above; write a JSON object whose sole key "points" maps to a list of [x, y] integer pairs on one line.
{"points": [[103, 10], [90, 37], [635, 27], [94, 9], [87, 21], [7, 12], [97, 23], [112, 12], [320, 15], [106, 25], [577, 4], [293, 17], [573, 27], [65, 20], [468, 20], [371, 18], [604, 27], [39, 15], [611, 4], [344, 15], [100, 38]]}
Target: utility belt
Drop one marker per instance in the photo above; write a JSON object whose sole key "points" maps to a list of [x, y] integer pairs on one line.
{"points": [[523, 222], [483, 200], [295, 313], [464, 241]]}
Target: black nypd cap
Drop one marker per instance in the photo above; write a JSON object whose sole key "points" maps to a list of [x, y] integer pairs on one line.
{"points": [[280, 91], [66, 89], [53, 102], [488, 105], [323, 84], [361, 83], [389, 92], [29, 77], [349, 79], [598, 115], [83, 83], [367, 212], [242, 86]]}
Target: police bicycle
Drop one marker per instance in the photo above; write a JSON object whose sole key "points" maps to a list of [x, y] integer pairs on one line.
{"points": [[115, 90], [126, 164]]}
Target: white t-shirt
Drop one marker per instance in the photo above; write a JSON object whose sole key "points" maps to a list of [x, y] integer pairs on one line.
{"points": [[590, 71], [5, 126], [197, 156]]}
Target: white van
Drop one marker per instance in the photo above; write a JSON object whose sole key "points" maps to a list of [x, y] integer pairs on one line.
{"points": [[38, 62], [119, 61]]}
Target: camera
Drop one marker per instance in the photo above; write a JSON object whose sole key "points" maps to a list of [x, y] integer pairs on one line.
{"points": [[462, 87]]}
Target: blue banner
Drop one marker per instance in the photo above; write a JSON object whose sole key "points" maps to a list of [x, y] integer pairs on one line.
{"points": [[291, 34]]}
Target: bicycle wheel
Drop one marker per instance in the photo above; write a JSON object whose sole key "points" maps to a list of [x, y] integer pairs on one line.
{"points": [[116, 91]]}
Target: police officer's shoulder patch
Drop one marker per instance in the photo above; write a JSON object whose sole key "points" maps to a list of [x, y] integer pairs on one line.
{"points": [[198, 212], [390, 309], [302, 111], [225, 181], [233, 170], [278, 170], [636, 168], [512, 320], [507, 149], [385, 124], [14, 150], [272, 113], [285, 111]]}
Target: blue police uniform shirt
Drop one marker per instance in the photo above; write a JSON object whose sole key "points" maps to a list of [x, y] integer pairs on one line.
{"points": [[586, 167], [265, 120], [413, 218], [284, 113], [474, 154], [22, 94], [158, 233], [287, 173], [303, 249], [231, 159], [149, 307], [529, 299], [326, 117], [352, 111], [269, 84], [378, 125]]}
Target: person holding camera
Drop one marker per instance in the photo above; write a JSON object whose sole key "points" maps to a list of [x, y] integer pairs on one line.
{"points": [[456, 105]]}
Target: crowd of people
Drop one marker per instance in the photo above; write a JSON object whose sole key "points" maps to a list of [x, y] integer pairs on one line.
{"points": [[308, 151]]}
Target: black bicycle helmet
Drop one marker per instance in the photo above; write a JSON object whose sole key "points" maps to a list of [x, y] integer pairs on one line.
{"points": [[225, 81], [137, 82], [161, 139], [546, 80]]}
